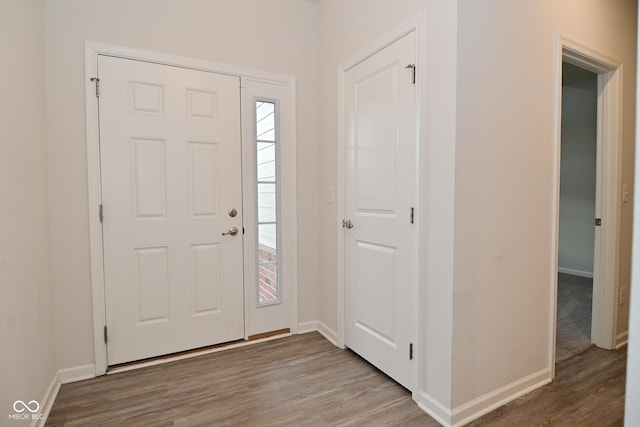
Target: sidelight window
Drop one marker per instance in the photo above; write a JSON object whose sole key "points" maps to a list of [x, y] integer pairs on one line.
{"points": [[269, 291]]}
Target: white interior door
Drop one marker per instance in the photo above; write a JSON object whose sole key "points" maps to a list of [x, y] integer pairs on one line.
{"points": [[171, 174], [380, 195]]}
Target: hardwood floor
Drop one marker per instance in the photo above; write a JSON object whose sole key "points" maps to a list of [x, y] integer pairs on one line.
{"points": [[295, 381], [588, 391], [303, 380]]}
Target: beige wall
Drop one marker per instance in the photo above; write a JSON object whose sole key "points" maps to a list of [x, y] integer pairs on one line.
{"points": [[504, 170], [27, 359], [276, 36]]}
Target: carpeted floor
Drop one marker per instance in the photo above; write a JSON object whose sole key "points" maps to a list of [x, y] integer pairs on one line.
{"points": [[573, 334]]}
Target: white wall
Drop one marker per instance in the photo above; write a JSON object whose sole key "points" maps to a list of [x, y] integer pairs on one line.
{"points": [[27, 359], [277, 36], [504, 177], [578, 171]]}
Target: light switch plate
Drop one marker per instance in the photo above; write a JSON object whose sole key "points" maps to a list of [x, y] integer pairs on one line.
{"points": [[330, 195]]}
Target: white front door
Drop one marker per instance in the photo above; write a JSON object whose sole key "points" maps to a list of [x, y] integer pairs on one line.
{"points": [[171, 178], [380, 200]]}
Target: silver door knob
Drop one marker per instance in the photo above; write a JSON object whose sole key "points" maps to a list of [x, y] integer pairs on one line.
{"points": [[232, 231], [346, 223]]}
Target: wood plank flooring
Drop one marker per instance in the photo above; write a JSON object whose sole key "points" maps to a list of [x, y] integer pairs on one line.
{"points": [[588, 391], [303, 380]]}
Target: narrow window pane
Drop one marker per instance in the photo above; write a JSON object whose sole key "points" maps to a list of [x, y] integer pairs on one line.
{"points": [[267, 237], [268, 283], [265, 121], [267, 207], [267, 203], [266, 156]]}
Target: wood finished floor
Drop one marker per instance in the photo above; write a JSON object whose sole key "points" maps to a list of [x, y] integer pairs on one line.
{"points": [[303, 380], [588, 390]]}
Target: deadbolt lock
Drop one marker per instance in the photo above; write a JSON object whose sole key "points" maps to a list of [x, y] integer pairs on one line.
{"points": [[233, 213]]}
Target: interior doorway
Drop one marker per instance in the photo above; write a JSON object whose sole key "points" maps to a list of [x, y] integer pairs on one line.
{"points": [[380, 189], [605, 211], [578, 177]]}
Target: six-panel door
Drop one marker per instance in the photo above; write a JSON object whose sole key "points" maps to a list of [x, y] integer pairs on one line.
{"points": [[171, 171]]}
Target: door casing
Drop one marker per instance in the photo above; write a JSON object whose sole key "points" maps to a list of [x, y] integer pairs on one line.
{"points": [[608, 184], [94, 184]]}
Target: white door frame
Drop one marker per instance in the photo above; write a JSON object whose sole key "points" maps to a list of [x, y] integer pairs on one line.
{"points": [[270, 317], [415, 24], [608, 170], [288, 176]]}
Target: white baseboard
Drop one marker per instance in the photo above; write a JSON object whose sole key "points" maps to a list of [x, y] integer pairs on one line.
{"points": [[434, 409], [486, 403], [574, 272], [46, 403], [63, 376], [328, 333], [324, 330], [470, 411], [306, 327], [622, 339], [77, 373]]}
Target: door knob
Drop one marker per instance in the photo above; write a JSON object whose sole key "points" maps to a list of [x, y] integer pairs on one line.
{"points": [[232, 231]]}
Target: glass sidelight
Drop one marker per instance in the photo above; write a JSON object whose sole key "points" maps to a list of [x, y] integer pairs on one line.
{"points": [[269, 291]]}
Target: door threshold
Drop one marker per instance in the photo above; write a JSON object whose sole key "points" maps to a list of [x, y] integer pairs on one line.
{"points": [[188, 354], [262, 336]]}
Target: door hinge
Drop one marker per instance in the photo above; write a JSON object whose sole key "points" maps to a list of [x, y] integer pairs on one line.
{"points": [[97, 80], [413, 71], [412, 215], [105, 334], [410, 351], [598, 222], [101, 213]]}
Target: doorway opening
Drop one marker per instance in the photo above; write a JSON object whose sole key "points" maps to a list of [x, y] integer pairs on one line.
{"points": [[599, 204], [577, 210]]}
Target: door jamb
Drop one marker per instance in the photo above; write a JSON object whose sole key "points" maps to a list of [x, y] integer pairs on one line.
{"points": [[289, 236], [609, 143], [415, 24]]}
